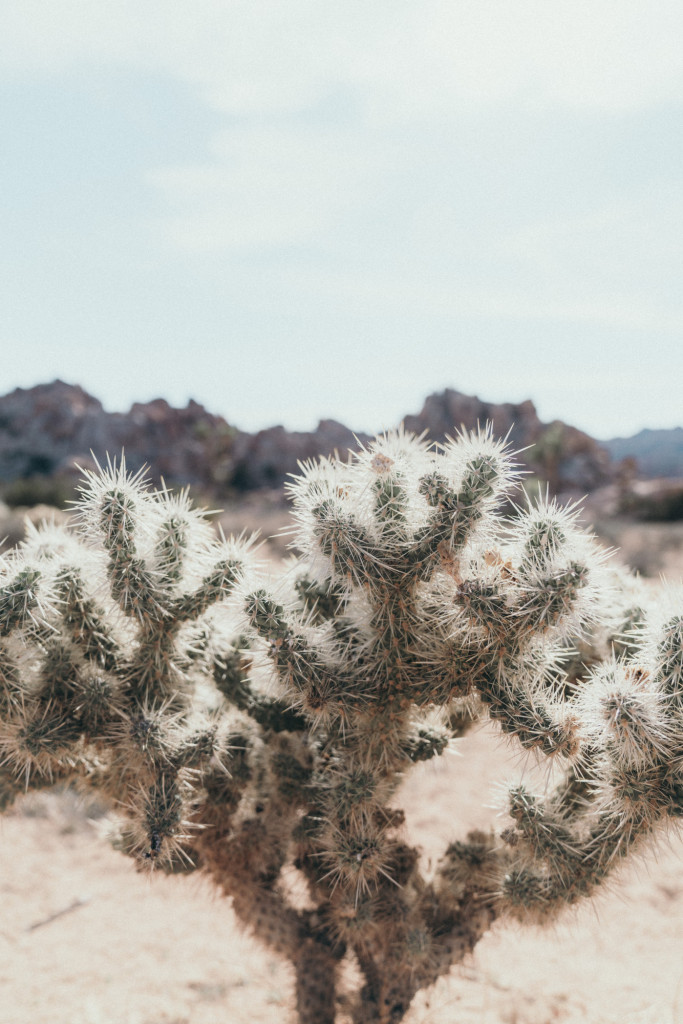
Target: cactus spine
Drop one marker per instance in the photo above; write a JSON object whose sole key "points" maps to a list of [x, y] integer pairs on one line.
{"points": [[242, 726]]}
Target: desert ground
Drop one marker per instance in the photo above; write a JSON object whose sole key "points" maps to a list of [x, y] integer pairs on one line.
{"points": [[85, 939]]}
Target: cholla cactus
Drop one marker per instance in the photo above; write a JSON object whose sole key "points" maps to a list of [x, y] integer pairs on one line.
{"points": [[280, 741]]}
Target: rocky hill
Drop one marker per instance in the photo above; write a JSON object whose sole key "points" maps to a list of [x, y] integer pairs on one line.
{"points": [[45, 429], [565, 457]]}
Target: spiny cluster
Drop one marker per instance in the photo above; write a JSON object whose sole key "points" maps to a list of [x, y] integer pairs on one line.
{"points": [[624, 780], [279, 742], [103, 639]]}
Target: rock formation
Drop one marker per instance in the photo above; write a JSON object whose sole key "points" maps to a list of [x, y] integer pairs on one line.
{"points": [[44, 430]]}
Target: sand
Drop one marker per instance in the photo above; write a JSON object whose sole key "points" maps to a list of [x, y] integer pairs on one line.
{"points": [[85, 939]]}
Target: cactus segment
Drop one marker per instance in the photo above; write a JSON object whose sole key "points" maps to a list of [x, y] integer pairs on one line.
{"points": [[254, 728]]}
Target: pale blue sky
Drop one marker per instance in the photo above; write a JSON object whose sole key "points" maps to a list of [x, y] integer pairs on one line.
{"points": [[293, 210]]}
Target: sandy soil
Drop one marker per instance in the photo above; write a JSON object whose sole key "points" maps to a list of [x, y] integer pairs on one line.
{"points": [[84, 939]]}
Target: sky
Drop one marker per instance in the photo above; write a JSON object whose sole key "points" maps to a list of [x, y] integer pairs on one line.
{"points": [[310, 209]]}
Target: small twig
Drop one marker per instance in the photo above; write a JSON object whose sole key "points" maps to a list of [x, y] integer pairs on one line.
{"points": [[483, 979], [81, 901]]}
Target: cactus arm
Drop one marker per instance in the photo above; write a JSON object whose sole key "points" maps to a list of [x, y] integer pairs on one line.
{"points": [[278, 743]]}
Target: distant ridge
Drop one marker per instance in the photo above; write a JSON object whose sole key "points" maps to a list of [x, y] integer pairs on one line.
{"points": [[44, 429], [657, 452]]}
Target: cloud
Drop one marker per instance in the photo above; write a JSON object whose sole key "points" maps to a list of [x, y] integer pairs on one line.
{"points": [[402, 58], [431, 295], [268, 185], [632, 241], [351, 128]]}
